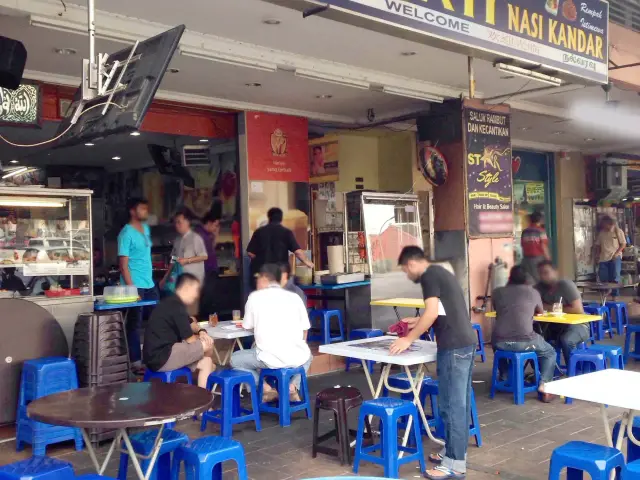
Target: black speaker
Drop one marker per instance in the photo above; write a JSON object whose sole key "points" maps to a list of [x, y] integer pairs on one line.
{"points": [[13, 57]]}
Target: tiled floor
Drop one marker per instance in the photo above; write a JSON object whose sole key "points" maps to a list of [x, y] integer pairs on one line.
{"points": [[518, 440]]}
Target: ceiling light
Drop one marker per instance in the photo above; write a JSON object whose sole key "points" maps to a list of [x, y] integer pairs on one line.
{"points": [[404, 92], [65, 51], [529, 74], [271, 21], [89, 144], [408, 54], [11, 201], [324, 97], [135, 134], [331, 78], [253, 84], [204, 140], [229, 59], [15, 172], [115, 158], [14, 161]]}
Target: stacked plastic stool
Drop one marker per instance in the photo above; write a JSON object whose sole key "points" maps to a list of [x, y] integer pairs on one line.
{"points": [[633, 450], [635, 353], [612, 353], [603, 326], [389, 410], [578, 457], [480, 348], [143, 442], [42, 377], [320, 319], [585, 361], [203, 458], [359, 334], [230, 412], [171, 376], [619, 309], [37, 468], [515, 382], [283, 407]]}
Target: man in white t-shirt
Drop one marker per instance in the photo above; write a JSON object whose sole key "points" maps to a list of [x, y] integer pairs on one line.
{"points": [[280, 323]]}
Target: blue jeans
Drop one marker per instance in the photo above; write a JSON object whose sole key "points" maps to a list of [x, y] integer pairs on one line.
{"points": [[248, 361], [545, 352], [610, 272], [134, 323], [454, 400]]}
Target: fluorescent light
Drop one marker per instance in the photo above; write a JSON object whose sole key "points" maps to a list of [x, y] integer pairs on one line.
{"points": [[331, 78], [135, 134], [73, 27], [404, 92], [14, 161], [204, 140], [89, 144], [115, 158], [15, 172], [529, 74], [222, 57], [11, 201]]}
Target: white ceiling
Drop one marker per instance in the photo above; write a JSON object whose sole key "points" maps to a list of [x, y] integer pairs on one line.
{"points": [[238, 26]]}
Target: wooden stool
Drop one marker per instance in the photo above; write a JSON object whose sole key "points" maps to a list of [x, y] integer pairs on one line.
{"points": [[338, 400]]}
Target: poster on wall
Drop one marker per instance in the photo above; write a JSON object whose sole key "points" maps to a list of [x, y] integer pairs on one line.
{"points": [[488, 172], [277, 147], [323, 162], [214, 184], [21, 106]]}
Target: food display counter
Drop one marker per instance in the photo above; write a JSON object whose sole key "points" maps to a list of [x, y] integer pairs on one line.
{"points": [[46, 250]]}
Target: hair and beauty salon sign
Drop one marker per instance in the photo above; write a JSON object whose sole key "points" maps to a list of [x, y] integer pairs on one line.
{"points": [[568, 36]]}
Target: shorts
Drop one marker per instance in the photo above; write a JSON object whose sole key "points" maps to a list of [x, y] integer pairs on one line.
{"points": [[184, 354]]}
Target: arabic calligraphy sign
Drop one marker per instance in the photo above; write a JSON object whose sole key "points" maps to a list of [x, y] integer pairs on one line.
{"points": [[20, 106]]}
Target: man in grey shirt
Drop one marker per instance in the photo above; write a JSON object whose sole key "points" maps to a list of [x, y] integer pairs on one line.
{"points": [[287, 281], [553, 290], [188, 249], [515, 306]]}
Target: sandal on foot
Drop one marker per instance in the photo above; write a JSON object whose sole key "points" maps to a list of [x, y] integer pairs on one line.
{"points": [[435, 458], [443, 473]]}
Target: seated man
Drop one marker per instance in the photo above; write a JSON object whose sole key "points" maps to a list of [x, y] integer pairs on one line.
{"points": [[280, 323], [287, 282], [553, 290], [515, 306], [172, 340]]}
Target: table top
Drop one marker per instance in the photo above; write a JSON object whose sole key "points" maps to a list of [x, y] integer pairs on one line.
{"points": [[399, 302], [597, 286], [338, 286], [566, 319], [101, 305], [377, 349], [224, 331], [618, 388], [121, 406]]}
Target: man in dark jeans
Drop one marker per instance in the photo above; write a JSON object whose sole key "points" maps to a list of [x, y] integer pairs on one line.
{"points": [[515, 306], [134, 251], [445, 310]]}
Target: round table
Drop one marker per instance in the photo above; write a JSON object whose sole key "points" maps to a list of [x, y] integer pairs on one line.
{"points": [[121, 407], [604, 289]]}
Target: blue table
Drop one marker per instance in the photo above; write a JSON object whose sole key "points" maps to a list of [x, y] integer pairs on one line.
{"points": [[338, 286], [102, 306]]}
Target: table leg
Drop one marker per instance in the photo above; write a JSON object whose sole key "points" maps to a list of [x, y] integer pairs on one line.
{"points": [[134, 457], [395, 309], [630, 434], [215, 351], [92, 454], [375, 392]]}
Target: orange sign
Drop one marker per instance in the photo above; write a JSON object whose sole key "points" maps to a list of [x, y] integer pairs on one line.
{"points": [[277, 147]]}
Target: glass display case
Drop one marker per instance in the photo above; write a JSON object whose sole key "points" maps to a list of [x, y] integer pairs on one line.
{"points": [[46, 247]]}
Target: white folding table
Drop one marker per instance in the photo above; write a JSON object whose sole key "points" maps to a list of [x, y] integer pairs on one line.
{"points": [[227, 331], [420, 353], [617, 388]]}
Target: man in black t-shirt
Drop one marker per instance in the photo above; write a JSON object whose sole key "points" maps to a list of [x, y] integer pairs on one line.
{"points": [[272, 244], [446, 310], [172, 340]]}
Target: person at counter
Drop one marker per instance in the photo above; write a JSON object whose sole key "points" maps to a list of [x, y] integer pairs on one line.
{"points": [[554, 290], [610, 243], [535, 245], [134, 252], [172, 340], [272, 244], [189, 248], [10, 281], [209, 231]]}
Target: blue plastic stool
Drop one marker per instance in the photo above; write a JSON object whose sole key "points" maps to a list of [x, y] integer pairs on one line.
{"points": [[285, 407], [480, 348], [631, 471], [515, 382], [324, 317], [633, 450], [230, 412], [619, 309], [143, 442], [93, 476], [560, 367], [389, 410], [203, 458], [37, 468], [577, 457], [604, 325], [170, 376], [359, 334], [612, 353], [582, 361], [635, 353], [400, 381]]}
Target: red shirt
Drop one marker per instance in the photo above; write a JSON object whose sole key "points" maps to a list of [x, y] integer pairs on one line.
{"points": [[533, 241]]}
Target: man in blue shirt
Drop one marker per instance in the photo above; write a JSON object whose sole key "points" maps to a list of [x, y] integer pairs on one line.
{"points": [[134, 250]]}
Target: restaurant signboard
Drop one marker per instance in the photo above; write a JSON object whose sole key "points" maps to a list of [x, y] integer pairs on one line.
{"points": [[489, 188], [20, 106], [567, 36]]}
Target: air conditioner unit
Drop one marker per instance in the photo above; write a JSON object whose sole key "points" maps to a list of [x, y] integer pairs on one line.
{"points": [[611, 179], [196, 156]]}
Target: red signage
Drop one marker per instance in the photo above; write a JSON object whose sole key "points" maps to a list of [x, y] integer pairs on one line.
{"points": [[277, 147]]}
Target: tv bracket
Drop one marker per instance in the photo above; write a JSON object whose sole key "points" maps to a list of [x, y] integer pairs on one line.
{"points": [[97, 73]]}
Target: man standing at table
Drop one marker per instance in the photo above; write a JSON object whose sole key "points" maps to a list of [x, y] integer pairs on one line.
{"points": [[554, 290], [610, 243], [134, 252], [445, 310], [535, 245]]}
